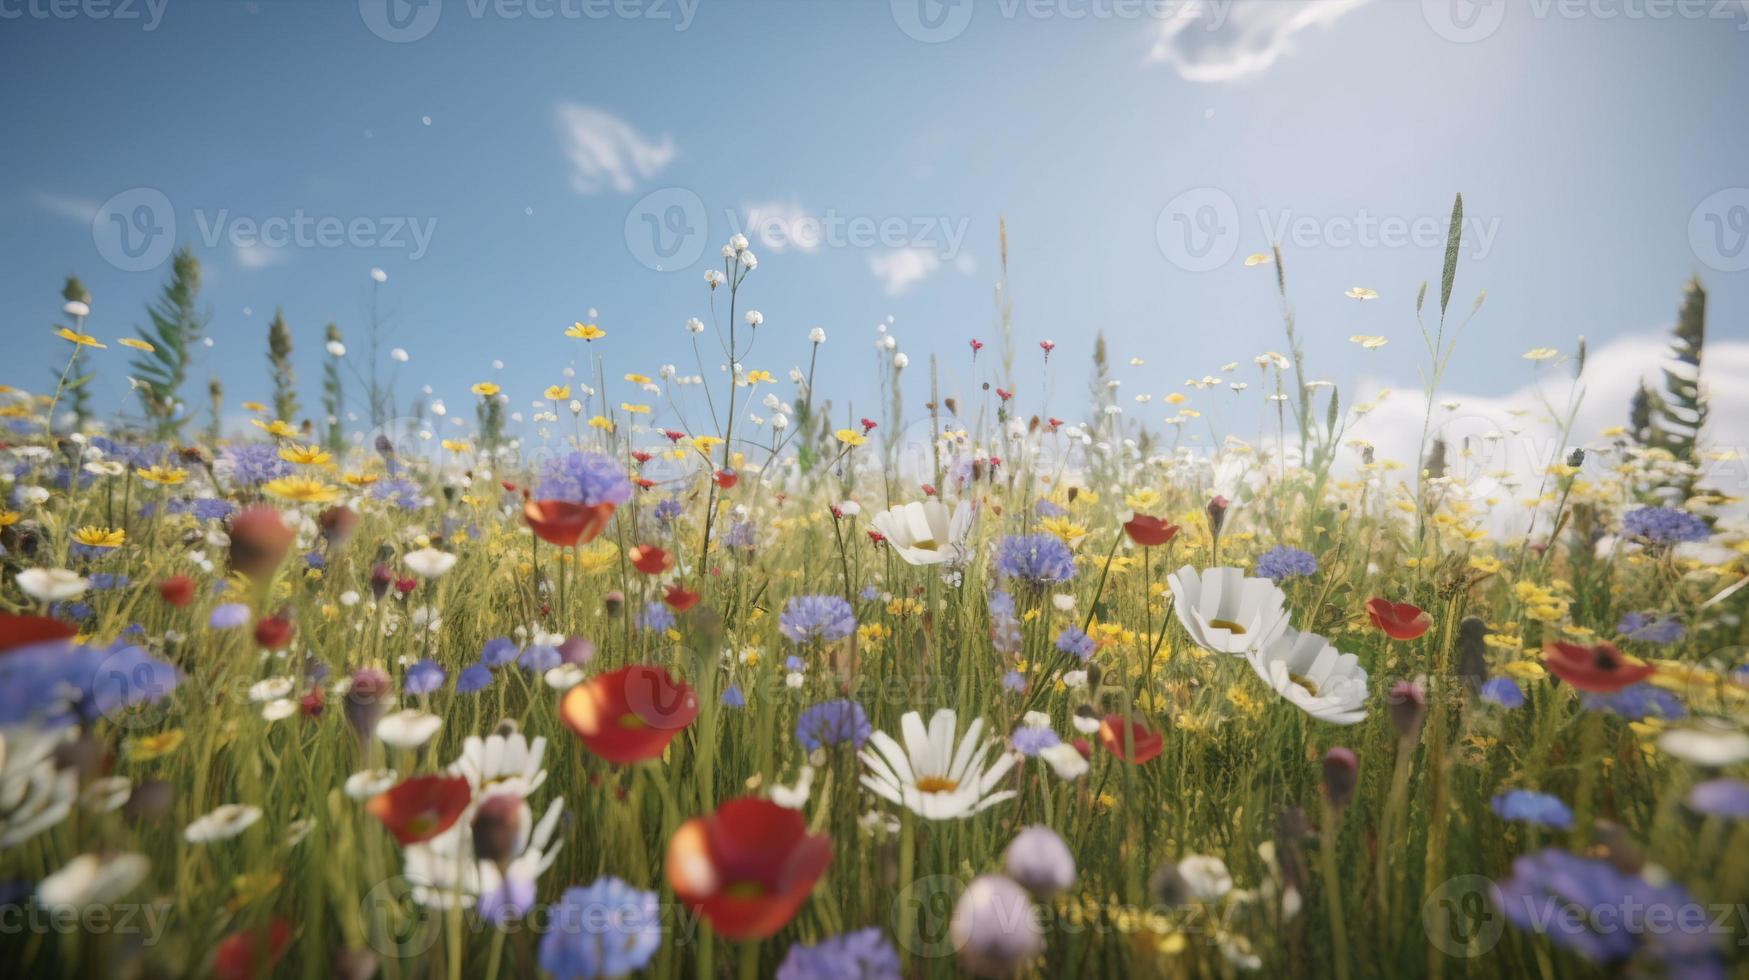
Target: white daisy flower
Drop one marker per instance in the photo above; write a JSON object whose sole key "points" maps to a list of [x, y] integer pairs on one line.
{"points": [[933, 774], [445, 872], [1706, 746], [271, 689], [35, 794], [279, 709], [89, 880], [1309, 671], [1227, 612], [924, 533], [429, 563], [1205, 877], [369, 782], [1065, 760], [222, 823], [408, 728], [52, 584], [501, 764], [794, 797]]}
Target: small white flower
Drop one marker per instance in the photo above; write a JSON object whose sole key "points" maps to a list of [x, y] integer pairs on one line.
{"points": [[755, 318], [737, 243], [564, 677], [817, 335], [368, 783], [1706, 746], [1063, 601], [713, 278], [398, 354], [1036, 719], [749, 260], [794, 797], [408, 728], [1227, 612], [52, 584], [429, 563], [279, 710], [222, 823], [1086, 724], [1205, 876], [349, 598], [378, 275], [1074, 679], [900, 361], [794, 680], [89, 880], [1065, 760], [107, 794], [336, 349], [271, 689], [936, 774], [76, 308]]}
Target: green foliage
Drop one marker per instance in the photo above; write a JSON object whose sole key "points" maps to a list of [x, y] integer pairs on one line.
{"points": [[333, 394], [77, 386], [1672, 421], [177, 323], [279, 351]]}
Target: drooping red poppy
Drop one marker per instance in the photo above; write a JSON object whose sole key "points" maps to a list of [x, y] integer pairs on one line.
{"points": [[420, 808], [747, 867], [1398, 620], [629, 714], [649, 559], [240, 954], [23, 631], [1600, 669], [1149, 532], [563, 523], [726, 479], [1146, 744], [680, 598], [177, 590], [273, 632]]}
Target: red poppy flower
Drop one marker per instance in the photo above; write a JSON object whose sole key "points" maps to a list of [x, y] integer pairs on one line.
{"points": [[23, 631], [1399, 620], [680, 598], [239, 954], [629, 714], [1047, 346], [875, 537], [747, 867], [977, 345], [1601, 669], [1055, 423], [1004, 394], [641, 456], [1146, 744], [673, 436], [177, 590], [273, 632], [405, 586], [563, 523], [1149, 531], [868, 425], [928, 490], [650, 560], [644, 483], [726, 479], [422, 807], [508, 486]]}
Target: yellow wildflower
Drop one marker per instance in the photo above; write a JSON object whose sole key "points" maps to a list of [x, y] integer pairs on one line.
{"points": [[585, 331], [92, 536]]}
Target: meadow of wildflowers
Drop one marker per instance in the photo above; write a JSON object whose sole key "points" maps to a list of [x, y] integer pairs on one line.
{"points": [[764, 698]]}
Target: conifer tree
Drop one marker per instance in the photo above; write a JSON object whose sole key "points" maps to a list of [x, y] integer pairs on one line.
{"points": [[177, 323], [279, 350]]}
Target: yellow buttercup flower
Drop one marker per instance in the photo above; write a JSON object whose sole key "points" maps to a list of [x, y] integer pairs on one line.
{"points": [[557, 393], [1540, 353], [277, 428], [485, 389], [359, 479], [705, 444], [254, 407], [1368, 341], [585, 331], [311, 455], [638, 379], [601, 422], [454, 445], [850, 437], [145, 748], [92, 536], [634, 409], [168, 476], [301, 489], [82, 339], [137, 345], [9, 517], [1361, 292], [758, 377]]}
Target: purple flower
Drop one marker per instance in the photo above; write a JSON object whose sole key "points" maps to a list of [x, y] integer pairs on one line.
{"points": [[1073, 641], [861, 955], [822, 617], [1044, 508], [1036, 559], [1637, 702], [832, 723], [540, 658], [58, 682], [203, 508], [656, 617], [423, 677], [1014, 680], [398, 491], [1664, 525], [1282, 562], [1662, 630], [668, 510], [1030, 740], [1529, 806], [606, 930], [1720, 798], [474, 677], [229, 616], [252, 464], [1501, 691], [733, 698], [499, 650], [584, 478], [1004, 625]]}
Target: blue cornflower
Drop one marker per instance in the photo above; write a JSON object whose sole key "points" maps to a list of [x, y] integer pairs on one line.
{"points": [[423, 677], [1030, 740], [739, 535], [1014, 680], [733, 698], [316, 560], [398, 492], [608, 929], [474, 677], [540, 658], [1664, 525], [1004, 626], [1282, 562], [1552, 880], [498, 651], [1044, 508], [104, 581], [1036, 559], [861, 955], [584, 478], [229, 616], [204, 508], [668, 509], [1661, 630], [1637, 702], [1073, 641], [252, 464], [58, 682], [832, 723], [1720, 798], [823, 617], [868, 594], [793, 662], [1532, 807], [656, 617], [1503, 692]]}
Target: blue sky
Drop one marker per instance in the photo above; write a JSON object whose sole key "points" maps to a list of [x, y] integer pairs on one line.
{"points": [[1589, 140]]}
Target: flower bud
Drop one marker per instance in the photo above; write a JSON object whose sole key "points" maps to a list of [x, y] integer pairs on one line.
{"points": [[495, 828], [1039, 861], [366, 701], [1408, 706], [1341, 774], [259, 541]]}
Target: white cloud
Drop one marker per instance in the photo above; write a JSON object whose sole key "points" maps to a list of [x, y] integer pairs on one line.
{"points": [[258, 256], [606, 152], [1221, 42], [72, 208], [903, 268], [779, 225], [1515, 434]]}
